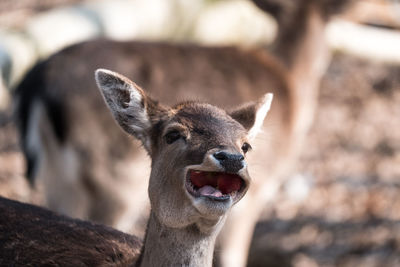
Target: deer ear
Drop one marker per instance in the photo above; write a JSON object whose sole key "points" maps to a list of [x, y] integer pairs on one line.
{"points": [[252, 115], [128, 103]]}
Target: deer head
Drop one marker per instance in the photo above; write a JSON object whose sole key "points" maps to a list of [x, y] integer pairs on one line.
{"points": [[198, 151]]}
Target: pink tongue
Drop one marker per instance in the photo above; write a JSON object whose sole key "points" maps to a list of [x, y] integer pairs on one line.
{"points": [[210, 191]]}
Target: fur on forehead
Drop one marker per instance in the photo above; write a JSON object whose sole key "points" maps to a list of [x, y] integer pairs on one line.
{"points": [[197, 114]]}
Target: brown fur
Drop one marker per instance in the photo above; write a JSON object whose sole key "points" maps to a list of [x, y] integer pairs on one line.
{"points": [[182, 227], [33, 236]]}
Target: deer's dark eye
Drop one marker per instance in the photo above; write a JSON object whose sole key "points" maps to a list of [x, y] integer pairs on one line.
{"points": [[172, 136], [246, 147]]}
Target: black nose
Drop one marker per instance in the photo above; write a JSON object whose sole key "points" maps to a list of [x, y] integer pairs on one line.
{"points": [[231, 162]]}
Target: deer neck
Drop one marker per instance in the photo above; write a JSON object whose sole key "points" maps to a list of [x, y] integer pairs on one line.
{"points": [[166, 246], [303, 49]]}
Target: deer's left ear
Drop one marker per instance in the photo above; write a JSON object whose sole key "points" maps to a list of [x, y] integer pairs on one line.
{"points": [[252, 115]]}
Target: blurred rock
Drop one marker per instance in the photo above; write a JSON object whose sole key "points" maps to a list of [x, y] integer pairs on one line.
{"points": [[234, 22], [298, 187], [18, 52], [4, 95], [58, 28], [140, 19], [185, 18], [364, 41], [5, 69], [5, 62]]}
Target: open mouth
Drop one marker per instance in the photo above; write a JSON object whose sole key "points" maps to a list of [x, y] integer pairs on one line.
{"points": [[214, 185]]}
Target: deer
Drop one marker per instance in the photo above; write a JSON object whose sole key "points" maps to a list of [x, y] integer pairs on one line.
{"points": [[89, 169], [198, 173]]}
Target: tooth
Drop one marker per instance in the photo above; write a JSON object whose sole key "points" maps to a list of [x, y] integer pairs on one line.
{"points": [[197, 172]]}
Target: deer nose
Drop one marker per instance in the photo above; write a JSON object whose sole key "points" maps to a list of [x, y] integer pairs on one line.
{"points": [[231, 162]]}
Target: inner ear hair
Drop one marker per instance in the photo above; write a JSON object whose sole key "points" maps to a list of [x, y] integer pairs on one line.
{"points": [[261, 109], [245, 115], [130, 106], [124, 89], [252, 115]]}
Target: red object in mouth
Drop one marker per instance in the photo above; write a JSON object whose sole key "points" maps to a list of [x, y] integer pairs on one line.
{"points": [[228, 183], [223, 183]]}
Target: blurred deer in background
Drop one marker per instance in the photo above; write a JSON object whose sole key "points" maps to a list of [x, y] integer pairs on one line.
{"points": [[89, 168]]}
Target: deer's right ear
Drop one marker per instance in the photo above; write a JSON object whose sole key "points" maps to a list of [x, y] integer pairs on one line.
{"points": [[128, 103], [252, 115]]}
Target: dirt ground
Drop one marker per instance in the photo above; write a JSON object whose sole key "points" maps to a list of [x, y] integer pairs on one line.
{"points": [[12, 166], [351, 215]]}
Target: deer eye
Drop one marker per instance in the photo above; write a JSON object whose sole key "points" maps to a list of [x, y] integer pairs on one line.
{"points": [[246, 147], [172, 136]]}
